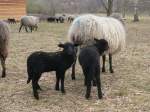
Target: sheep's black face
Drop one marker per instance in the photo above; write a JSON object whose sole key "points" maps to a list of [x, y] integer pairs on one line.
{"points": [[102, 45], [69, 48]]}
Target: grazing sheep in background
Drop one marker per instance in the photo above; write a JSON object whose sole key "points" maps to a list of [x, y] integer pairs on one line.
{"points": [[40, 62], [11, 21], [60, 19], [86, 27], [89, 59], [70, 18], [30, 22], [4, 38], [51, 19]]}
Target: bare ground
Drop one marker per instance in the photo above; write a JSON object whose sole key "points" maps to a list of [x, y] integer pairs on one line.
{"points": [[127, 90]]}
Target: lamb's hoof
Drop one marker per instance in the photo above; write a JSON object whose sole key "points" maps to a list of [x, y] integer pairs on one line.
{"points": [[103, 70], [63, 91], [73, 78], [100, 96], [112, 71], [94, 83], [36, 97], [3, 76], [57, 88], [87, 96]]}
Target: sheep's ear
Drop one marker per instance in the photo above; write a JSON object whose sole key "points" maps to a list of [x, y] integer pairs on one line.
{"points": [[61, 45], [96, 39]]}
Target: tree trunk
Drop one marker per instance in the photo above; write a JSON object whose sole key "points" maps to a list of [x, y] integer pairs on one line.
{"points": [[136, 18], [136, 15]]}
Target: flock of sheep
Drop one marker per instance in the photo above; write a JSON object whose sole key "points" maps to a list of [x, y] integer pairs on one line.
{"points": [[89, 37]]}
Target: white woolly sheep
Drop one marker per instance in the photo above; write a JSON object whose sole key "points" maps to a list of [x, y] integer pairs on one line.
{"points": [[4, 38], [29, 21], [87, 27]]}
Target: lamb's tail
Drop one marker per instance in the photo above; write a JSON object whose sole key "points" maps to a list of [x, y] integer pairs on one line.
{"points": [[29, 74]]}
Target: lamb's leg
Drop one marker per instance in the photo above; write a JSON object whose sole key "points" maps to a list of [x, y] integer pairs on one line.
{"points": [[20, 28], [73, 66], [88, 90], [73, 69], [3, 66], [57, 81], [94, 82], [34, 86], [104, 59], [110, 64], [37, 85], [98, 83], [62, 83]]}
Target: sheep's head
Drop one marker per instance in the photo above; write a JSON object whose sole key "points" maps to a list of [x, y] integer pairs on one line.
{"points": [[68, 48], [102, 45]]}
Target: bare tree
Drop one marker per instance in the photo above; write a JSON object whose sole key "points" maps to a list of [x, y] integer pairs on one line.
{"points": [[108, 5]]}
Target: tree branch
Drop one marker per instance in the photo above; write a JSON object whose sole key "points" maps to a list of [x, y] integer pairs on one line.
{"points": [[104, 5]]}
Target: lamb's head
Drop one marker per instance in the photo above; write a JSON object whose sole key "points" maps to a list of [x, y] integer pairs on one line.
{"points": [[68, 48], [101, 45]]}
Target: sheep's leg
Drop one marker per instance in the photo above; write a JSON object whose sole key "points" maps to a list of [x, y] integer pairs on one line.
{"points": [[26, 29], [3, 66], [20, 27], [98, 83], [110, 64], [104, 59], [57, 81], [34, 86], [31, 28]]}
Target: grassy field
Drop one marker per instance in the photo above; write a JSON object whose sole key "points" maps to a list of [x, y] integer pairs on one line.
{"points": [[127, 90]]}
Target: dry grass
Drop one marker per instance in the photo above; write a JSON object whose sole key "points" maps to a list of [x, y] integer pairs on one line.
{"points": [[127, 90]]}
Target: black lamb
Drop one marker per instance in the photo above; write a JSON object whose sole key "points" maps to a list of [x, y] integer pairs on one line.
{"points": [[89, 59], [40, 62]]}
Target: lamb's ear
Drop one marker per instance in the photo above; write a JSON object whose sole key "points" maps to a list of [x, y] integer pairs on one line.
{"points": [[61, 45], [96, 39]]}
